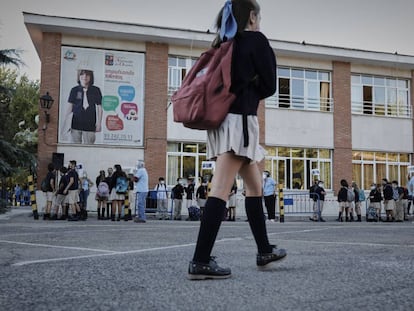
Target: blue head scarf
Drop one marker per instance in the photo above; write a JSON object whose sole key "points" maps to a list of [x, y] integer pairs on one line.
{"points": [[228, 22]]}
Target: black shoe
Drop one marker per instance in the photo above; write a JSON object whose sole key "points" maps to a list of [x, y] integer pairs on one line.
{"points": [[322, 220], [204, 271], [263, 259], [73, 218]]}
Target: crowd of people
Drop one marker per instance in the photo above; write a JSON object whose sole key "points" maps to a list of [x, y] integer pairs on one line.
{"points": [[389, 197]]}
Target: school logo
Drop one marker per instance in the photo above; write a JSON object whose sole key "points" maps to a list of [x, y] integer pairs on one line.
{"points": [[70, 55]]}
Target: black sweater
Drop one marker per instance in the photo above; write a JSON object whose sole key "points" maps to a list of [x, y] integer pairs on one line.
{"points": [[253, 72]]}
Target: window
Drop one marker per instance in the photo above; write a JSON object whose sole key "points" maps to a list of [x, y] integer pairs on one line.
{"points": [[381, 96], [302, 89], [184, 159], [292, 167], [372, 167], [177, 69]]}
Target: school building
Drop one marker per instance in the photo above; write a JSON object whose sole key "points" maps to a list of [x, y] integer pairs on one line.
{"points": [[346, 112]]}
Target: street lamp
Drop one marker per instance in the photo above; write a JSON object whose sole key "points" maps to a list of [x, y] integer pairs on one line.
{"points": [[46, 102]]}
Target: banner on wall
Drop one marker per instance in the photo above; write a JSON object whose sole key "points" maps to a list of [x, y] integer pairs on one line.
{"points": [[101, 97]]}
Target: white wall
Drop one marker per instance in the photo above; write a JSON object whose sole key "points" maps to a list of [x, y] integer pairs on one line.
{"points": [[177, 132], [382, 134], [299, 128], [95, 158]]}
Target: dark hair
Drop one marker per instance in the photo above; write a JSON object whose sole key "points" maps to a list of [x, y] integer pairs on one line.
{"points": [[344, 183], [63, 169], [161, 178], [86, 72], [50, 167], [241, 12], [118, 167]]}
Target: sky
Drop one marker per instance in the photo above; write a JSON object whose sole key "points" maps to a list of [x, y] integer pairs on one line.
{"points": [[374, 25]]}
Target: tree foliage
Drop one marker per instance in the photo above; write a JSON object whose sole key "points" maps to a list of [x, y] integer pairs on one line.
{"points": [[18, 107]]}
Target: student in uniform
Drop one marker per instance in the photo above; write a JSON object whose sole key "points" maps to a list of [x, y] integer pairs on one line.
{"points": [[235, 144]]}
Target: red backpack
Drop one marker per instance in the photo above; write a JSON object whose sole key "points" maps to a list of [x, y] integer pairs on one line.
{"points": [[204, 98]]}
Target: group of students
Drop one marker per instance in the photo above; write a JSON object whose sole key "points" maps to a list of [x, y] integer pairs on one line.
{"points": [[112, 194], [195, 199], [395, 199], [65, 193]]}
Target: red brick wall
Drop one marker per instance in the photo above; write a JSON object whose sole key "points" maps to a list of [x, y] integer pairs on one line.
{"points": [[342, 157], [49, 82], [155, 127]]}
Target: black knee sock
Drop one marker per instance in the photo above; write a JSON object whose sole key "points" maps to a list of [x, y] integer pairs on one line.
{"points": [[255, 215], [209, 227]]}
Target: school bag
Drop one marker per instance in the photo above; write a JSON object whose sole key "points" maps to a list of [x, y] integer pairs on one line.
{"points": [[44, 185], [194, 213], [121, 185], [204, 98], [103, 190], [350, 195], [361, 195]]}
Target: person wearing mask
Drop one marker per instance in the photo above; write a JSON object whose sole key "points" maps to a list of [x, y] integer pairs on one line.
{"points": [[108, 180], [189, 191], [269, 195], [343, 200], [232, 202], [398, 195], [410, 188], [50, 193], [357, 202], [178, 193], [141, 187], [235, 144], [162, 199], [102, 194], [201, 196], [119, 186], [389, 202], [375, 198], [318, 201], [72, 191], [86, 184], [60, 200]]}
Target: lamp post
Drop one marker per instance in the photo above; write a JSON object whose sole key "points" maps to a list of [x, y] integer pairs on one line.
{"points": [[46, 102]]}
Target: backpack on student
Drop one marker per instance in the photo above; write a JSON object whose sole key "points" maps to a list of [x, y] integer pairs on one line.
{"points": [[121, 185], [361, 195], [350, 195], [103, 190], [44, 185], [204, 98]]}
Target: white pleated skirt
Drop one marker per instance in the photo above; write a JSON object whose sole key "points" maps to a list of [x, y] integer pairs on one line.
{"points": [[229, 137]]}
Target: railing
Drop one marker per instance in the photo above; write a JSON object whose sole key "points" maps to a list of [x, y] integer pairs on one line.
{"points": [[300, 203], [300, 103], [389, 110]]}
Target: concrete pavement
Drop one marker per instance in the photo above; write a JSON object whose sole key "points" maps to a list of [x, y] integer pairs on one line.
{"points": [[104, 265]]}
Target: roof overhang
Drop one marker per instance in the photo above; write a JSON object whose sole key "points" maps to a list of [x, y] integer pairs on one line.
{"points": [[37, 24]]}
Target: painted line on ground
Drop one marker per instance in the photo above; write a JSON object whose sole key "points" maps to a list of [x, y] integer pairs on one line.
{"points": [[58, 246], [348, 243]]}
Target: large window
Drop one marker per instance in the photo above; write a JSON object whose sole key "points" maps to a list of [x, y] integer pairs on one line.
{"points": [[302, 89], [381, 96], [177, 69], [292, 167], [183, 160], [372, 167]]}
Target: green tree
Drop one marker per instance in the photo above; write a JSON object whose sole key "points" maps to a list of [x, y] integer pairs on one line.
{"points": [[18, 107]]}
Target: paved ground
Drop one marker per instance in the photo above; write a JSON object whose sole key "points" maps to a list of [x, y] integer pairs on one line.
{"points": [[102, 265]]}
